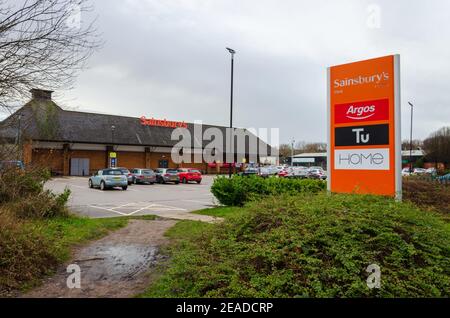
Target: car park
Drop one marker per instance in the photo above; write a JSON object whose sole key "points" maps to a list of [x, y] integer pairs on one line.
{"points": [[143, 175], [164, 175], [108, 178], [127, 173], [189, 174]]}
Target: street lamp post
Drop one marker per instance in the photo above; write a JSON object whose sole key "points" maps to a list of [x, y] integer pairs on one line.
{"points": [[112, 141], [410, 139], [232, 52], [292, 152], [112, 135]]}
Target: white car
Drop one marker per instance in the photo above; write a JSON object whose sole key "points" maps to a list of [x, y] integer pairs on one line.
{"points": [[419, 171], [297, 172], [406, 172]]}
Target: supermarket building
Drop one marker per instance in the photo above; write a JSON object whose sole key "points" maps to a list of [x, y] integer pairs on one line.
{"points": [[80, 143]]}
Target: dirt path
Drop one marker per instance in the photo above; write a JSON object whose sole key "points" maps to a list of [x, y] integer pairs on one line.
{"points": [[114, 266]]}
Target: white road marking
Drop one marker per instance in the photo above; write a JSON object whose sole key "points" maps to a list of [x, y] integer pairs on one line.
{"points": [[150, 207]]}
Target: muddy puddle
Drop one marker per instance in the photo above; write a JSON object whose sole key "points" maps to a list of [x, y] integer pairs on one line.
{"points": [[118, 265]]}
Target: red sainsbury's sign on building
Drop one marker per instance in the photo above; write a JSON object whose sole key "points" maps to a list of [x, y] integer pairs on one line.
{"points": [[162, 123]]}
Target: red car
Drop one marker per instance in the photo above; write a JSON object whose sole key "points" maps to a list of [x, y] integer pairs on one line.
{"points": [[283, 173], [189, 174]]}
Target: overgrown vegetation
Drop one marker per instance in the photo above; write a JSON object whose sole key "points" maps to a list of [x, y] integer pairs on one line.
{"points": [[22, 193], [311, 246], [427, 194], [36, 230], [239, 190]]}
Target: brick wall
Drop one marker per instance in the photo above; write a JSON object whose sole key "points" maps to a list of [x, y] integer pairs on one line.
{"points": [[54, 159]]}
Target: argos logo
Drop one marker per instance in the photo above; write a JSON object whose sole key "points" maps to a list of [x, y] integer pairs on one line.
{"points": [[362, 111]]}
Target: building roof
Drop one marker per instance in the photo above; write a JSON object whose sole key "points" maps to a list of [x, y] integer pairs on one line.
{"points": [[43, 120], [311, 155]]}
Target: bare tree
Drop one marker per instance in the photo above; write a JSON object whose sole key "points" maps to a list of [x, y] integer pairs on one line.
{"points": [[437, 147], [416, 144], [43, 44]]}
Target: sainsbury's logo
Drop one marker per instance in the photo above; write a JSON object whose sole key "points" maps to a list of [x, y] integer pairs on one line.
{"points": [[362, 111], [359, 80]]}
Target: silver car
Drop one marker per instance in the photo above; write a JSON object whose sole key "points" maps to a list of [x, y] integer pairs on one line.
{"points": [[128, 174], [164, 175], [141, 175], [108, 178]]}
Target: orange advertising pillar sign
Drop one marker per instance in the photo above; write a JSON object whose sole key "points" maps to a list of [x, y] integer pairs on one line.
{"points": [[364, 142]]}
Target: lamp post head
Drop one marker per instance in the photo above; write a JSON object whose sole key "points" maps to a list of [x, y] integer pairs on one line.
{"points": [[231, 50], [410, 104]]}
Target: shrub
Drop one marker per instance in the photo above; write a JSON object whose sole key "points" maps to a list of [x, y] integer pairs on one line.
{"points": [[16, 184], [23, 193], [427, 194], [44, 205], [314, 246], [239, 190], [24, 253]]}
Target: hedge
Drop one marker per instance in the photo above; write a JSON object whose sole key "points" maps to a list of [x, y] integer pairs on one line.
{"points": [[238, 190]]}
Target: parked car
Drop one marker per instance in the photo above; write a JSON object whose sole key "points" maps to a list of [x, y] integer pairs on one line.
{"points": [[128, 174], [164, 175], [264, 172], [316, 174], [108, 178], [406, 172], [444, 179], [283, 173], [143, 175], [189, 174], [250, 171], [297, 172], [431, 171], [419, 171], [9, 164]]}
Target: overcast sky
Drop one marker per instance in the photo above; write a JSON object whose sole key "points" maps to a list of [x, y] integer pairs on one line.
{"points": [[167, 59]]}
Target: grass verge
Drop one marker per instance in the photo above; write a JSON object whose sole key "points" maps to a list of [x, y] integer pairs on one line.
{"points": [[221, 212], [310, 246]]}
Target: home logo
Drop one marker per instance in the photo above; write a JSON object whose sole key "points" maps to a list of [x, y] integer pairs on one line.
{"points": [[361, 159], [374, 110]]}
